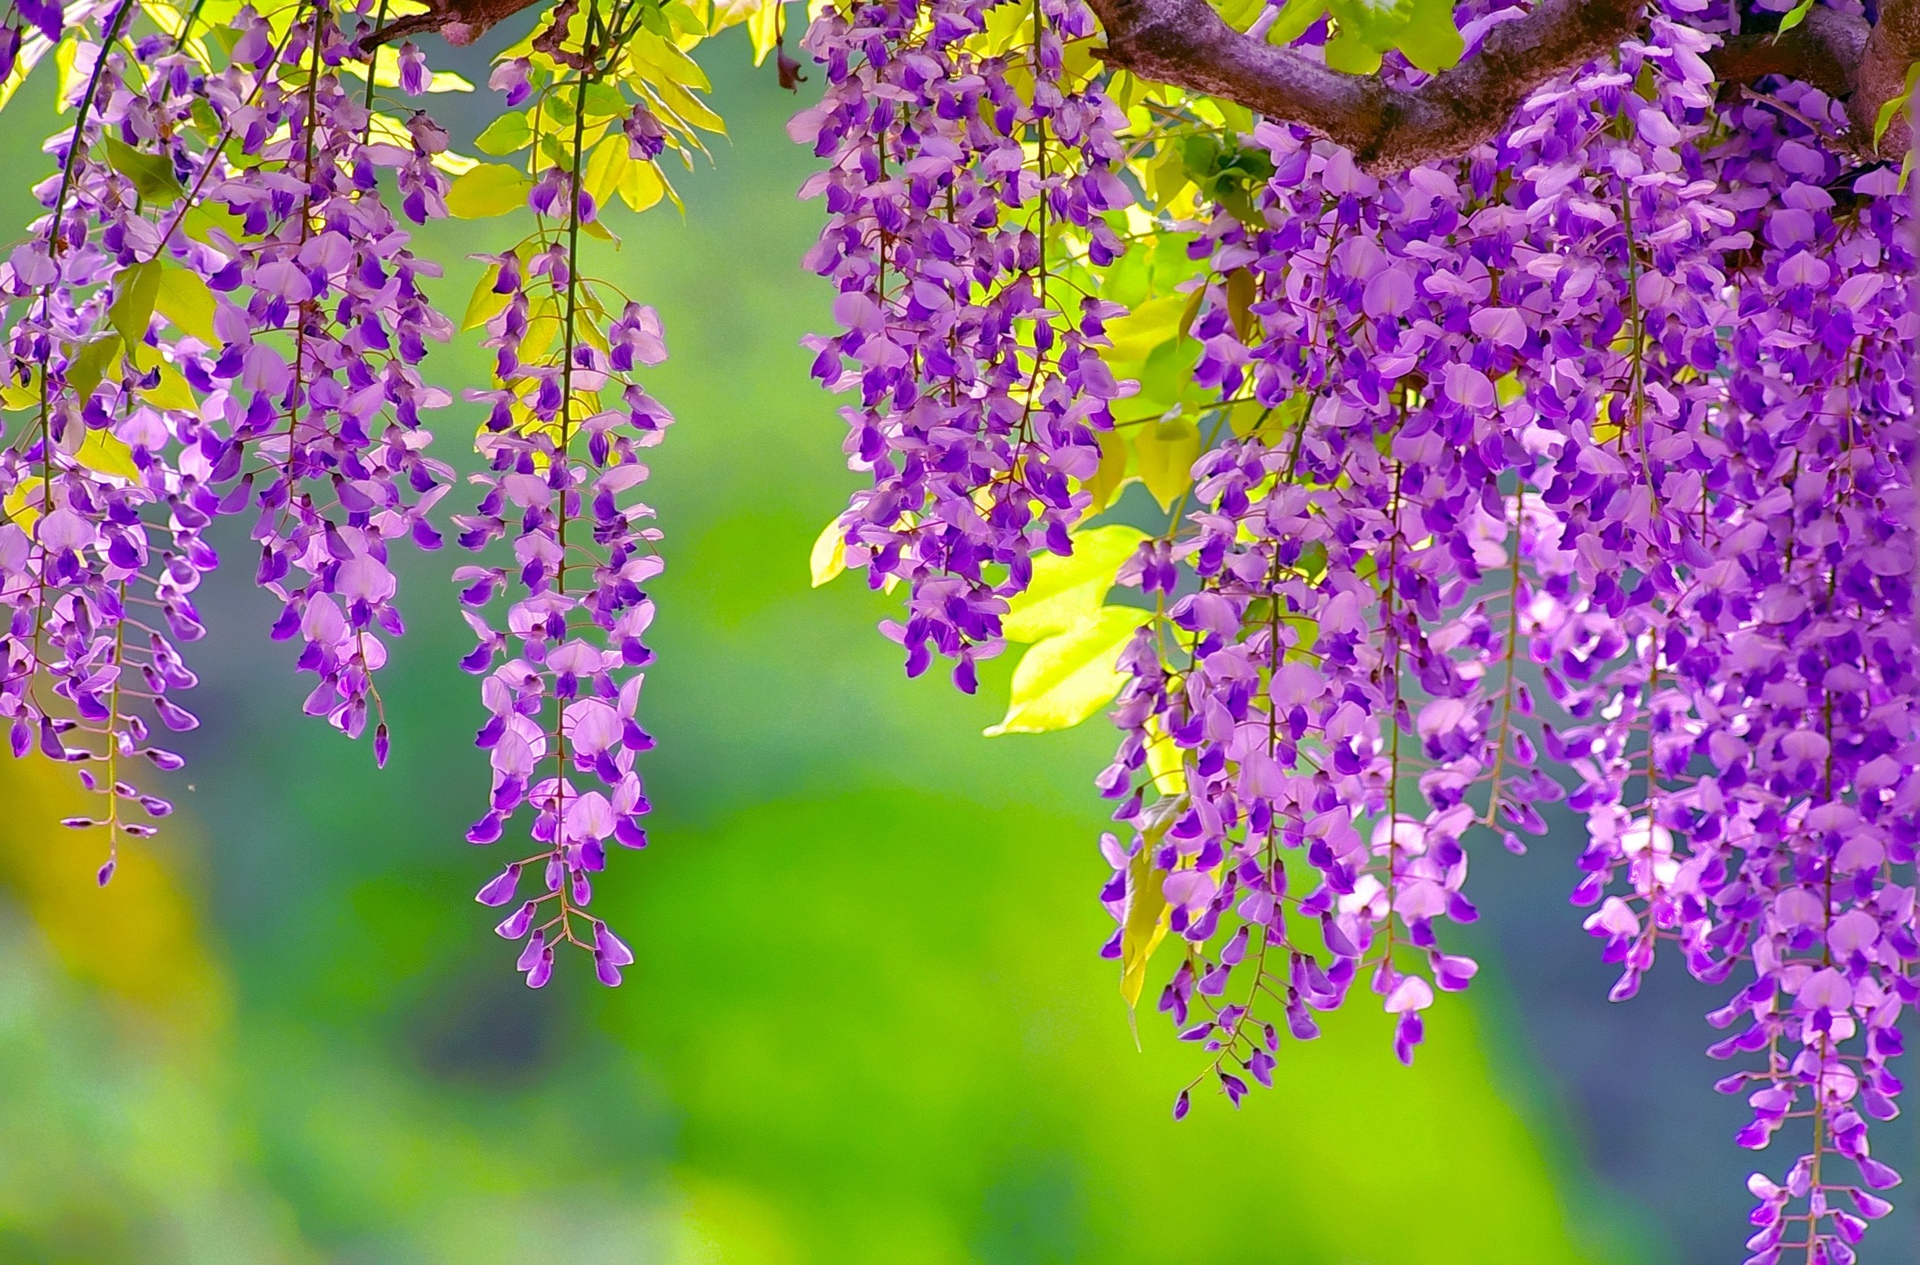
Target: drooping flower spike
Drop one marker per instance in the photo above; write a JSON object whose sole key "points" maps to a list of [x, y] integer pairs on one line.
{"points": [[1618, 407]]}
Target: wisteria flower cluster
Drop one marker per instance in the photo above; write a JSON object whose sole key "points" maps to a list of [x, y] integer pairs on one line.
{"points": [[957, 156], [1617, 409], [1571, 462], [221, 314]]}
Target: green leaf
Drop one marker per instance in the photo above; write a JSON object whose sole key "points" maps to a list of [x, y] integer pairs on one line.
{"points": [[183, 298], [1065, 592], [1794, 17], [604, 101], [505, 135], [1295, 17], [1891, 109], [1065, 679], [1376, 24], [829, 556], [151, 174], [1431, 41], [1348, 52], [202, 218], [488, 190], [1166, 452], [132, 308], [90, 364]]}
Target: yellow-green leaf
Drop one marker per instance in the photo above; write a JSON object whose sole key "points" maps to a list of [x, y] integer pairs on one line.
{"points": [[1147, 911], [1891, 110], [22, 505], [151, 174], [485, 304], [1111, 474], [1135, 335], [829, 556], [171, 392], [107, 453], [764, 29], [183, 298], [1794, 17], [1146, 925], [1295, 17], [1067, 591], [1431, 41], [1165, 763], [1166, 452], [606, 168], [132, 308], [1348, 52], [16, 396], [641, 185], [1065, 679], [90, 365], [202, 218], [488, 190], [505, 135]]}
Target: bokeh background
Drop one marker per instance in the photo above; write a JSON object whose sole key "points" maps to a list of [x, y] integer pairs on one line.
{"points": [[867, 1023]]}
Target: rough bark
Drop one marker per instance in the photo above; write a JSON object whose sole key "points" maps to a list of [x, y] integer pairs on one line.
{"points": [[1185, 43]]}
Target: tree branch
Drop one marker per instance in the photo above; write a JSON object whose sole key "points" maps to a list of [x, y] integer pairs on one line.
{"points": [[1823, 51], [1184, 42], [1891, 50]]}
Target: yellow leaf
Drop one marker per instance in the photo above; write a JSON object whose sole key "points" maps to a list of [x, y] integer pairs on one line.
{"points": [[668, 64], [1111, 475], [641, 186], [17, 396], [1146, 925], [106, 453], [184, 299], [489, 189], [22, 505], [1135, 335], [171, 392], [1065, 679], [606, 168], [763, 28], [1147, 910], [688, 108], [1065, 592], [829, 557], [1165, 763], [1166, 453]]}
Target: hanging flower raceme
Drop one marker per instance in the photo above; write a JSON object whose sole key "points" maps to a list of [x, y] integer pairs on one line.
{"points": [[567, 424], [964, 166], [218, 312], [1619, 401]]}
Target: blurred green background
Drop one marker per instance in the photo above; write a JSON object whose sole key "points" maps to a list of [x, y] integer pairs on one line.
{"points": [[867, 1023]]}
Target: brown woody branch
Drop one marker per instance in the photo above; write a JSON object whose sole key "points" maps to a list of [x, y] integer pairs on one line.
{"points": [[1186, 43]]}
